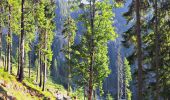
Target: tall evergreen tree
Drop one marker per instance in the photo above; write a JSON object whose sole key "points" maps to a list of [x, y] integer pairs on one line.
{"points": [[139, 51], [22, 39], [69, 34], [45, 16], [91, 60], [157, 47], [128, 79]]}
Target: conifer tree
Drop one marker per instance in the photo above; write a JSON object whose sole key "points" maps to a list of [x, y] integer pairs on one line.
{"points": [[22, 39], [45, 15], [91, 60], [69, 34], [128, 79]]}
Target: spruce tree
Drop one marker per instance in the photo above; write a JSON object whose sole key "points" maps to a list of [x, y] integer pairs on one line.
{"points": [[90, 64], [69, 33], [128, 79]]}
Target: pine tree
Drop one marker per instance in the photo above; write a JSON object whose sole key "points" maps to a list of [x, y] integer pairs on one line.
{"points": [[149, 38], [90, 64], [139, 51], [45, 15], [128, 79], [1, 17], [9, 40], [22, 39], [157, 47], [69, 34]]}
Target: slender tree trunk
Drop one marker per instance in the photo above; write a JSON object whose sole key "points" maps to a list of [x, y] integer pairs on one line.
{"points": [[45, 62], [5, 67], [30, 64], [44, 74], [84, 92], [40, 84], [118, 85], [18, 70], [139, 51], [94, 94], [21, 75], [9, 42], [124, 81], [0, 36], [157, 51], [11, 56], [92, 15], [69, 65], [37, 66], [8, 57]]}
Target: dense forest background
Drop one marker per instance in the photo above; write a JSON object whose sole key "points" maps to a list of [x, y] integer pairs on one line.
{"points": [[95, 50]]}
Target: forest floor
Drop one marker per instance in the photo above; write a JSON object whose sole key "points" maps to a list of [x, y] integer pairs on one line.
{"points": [[11, 89]]}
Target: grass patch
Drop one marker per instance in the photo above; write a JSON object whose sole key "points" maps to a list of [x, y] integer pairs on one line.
{"points": [[29, 83]]}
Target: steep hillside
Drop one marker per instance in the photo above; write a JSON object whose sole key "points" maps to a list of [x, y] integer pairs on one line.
{"points": [[11, 89]]}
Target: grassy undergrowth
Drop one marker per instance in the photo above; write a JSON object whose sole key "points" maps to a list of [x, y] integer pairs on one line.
{"points": [[30, 83], [51, 88], [11, 80]]}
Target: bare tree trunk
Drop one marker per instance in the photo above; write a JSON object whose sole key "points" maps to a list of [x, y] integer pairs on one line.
{"points": [[0, 36], [45, 62], [18, 70], [40, 84], [118, 82], [44, 74], [5, 67], [30, 64], [9, 42], [11, 56], [84, 92], [157, 51], [139, 51], [21, 75], [37, 66], [94, 94]]}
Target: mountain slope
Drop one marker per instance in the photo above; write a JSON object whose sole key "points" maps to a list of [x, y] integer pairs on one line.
{"points": [[11, 89]]}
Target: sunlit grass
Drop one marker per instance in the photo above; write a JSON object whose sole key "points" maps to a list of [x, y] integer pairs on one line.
{"points": [[51, 87], [30, 82]]}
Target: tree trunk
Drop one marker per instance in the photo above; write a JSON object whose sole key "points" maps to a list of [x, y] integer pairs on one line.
{"points": [[118, 85], [157, 51], [11, 56], [92, 15], [1, 35], [139, 50], [9, 42], [5, 67], [45, 62], [84, 92], [18, 70], [37, 66], [21, 75], [69, 65], [44, 74], [94, 94], [30, 64], [40, 84]]}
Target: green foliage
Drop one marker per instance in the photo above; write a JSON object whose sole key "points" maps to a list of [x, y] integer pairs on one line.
{"points": [[78, 93], [109, 97], [44, 16], [69, 30], [27, 83], [102, 33], [128, 79]]}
